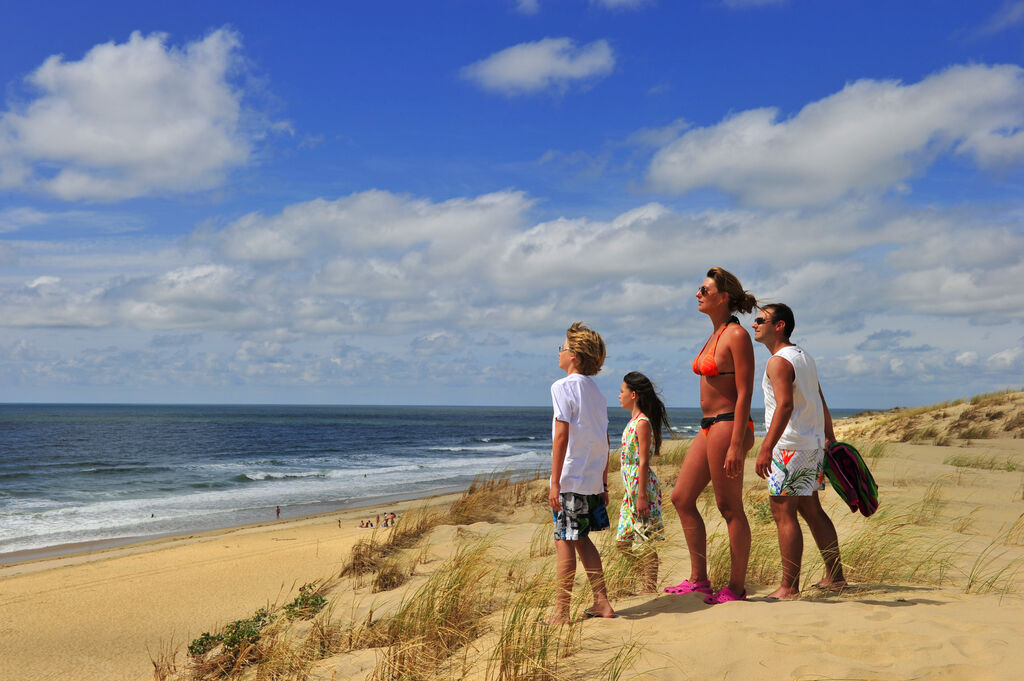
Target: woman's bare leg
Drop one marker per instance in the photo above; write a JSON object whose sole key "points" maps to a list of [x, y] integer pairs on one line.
{"points": [[729, 497], [693, 478]]}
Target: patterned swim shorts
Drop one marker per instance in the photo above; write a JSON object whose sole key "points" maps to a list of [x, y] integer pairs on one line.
{"points": [[796, 472], [580, 514]]}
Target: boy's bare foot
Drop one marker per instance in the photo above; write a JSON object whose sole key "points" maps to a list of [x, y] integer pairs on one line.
{"points": [[784, 593], [606, 612], [556, 620]]}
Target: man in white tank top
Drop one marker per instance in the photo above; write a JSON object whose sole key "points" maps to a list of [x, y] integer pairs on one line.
{"points": [[799, 427]]}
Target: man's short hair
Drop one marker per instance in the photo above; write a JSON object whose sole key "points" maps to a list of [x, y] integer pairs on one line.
{"points": [[781, 312], [588, 346]]}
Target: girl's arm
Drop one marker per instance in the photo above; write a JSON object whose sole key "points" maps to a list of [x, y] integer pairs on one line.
{"points": [[743, 362], [643, 435]]}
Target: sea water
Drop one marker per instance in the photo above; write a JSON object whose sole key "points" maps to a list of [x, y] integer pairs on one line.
{"points": [[71, 474]]}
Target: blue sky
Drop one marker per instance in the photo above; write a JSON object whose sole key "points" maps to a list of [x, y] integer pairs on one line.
{"points": [[408, 202]]}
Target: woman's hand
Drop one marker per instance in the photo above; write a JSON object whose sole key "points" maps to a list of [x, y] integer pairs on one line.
{"points": [[734, 461]]}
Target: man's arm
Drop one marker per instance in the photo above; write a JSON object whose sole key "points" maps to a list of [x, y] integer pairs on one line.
{"points": [[830, 435], [559, 445], [781, 375]]}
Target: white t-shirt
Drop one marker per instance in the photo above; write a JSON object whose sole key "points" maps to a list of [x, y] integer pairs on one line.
{"points": [[806, 427], [578, 401]]}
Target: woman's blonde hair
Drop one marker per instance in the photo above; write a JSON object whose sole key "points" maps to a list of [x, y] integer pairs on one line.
{"points": [[588, 346], [738, 298]]}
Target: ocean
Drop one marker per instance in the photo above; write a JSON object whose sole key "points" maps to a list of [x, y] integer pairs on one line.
{"points": [[75, 474]]}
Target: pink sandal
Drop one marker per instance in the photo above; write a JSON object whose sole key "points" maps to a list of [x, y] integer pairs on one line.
{"points": [[688, 587], [724, 595]]}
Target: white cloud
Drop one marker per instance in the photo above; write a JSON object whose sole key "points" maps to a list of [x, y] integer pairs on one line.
{"points": [[1006, 17], [528, 6], [545, 65], [1010, 359], [131, 119], [967, 359], [424, 284], [870, 137]]}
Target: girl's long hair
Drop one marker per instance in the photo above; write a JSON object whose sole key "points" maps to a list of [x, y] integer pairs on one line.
{"points": [[650, 404]]}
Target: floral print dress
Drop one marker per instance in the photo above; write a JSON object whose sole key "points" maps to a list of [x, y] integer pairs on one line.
{"points": [[631, 526]]}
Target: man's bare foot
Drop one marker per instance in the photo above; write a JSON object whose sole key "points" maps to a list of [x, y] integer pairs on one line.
{"points": [[784, 593], [837, 586]]}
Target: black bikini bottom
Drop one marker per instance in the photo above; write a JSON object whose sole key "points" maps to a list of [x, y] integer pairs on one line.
{"points": [[707, 422]]}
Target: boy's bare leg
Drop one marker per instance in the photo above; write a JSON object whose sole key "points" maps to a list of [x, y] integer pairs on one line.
{"points": [[791, 545], [827, 540], [565, 574], [591, 559]]}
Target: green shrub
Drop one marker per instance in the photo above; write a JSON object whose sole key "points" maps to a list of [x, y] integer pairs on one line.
{"points": [[308, 603]]}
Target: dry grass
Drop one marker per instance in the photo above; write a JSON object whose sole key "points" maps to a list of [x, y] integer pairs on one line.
{"points": [[987, 463], [489, 498], [927, 510], [440, 618], [889, 550], [527, 649], [480, 617]]}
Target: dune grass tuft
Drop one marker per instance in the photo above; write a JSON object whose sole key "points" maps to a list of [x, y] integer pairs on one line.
{"points": [[527, 649], [487, 499], [987, 463], [992, 571], [927, 510], [440, 617]]}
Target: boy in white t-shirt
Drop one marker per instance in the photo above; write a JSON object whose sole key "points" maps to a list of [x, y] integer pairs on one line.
{"points": [[579, 469]]}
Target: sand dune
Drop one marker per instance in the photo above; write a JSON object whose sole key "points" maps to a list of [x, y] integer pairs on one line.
{"points": [[936, 583]]}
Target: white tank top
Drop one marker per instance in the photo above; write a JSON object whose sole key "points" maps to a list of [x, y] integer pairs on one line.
{"points": [[806, 427]]}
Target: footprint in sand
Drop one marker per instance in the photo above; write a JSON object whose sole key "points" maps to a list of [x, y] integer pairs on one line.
{"points": [[976, 649]]}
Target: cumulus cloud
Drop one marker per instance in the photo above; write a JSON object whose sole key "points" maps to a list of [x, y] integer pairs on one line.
{"points": [[551, 64], [129, 119], [426, 284], [872, 136]]}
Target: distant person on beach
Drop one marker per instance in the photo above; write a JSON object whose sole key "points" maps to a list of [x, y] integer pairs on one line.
{"points": [[278, 511], [640, 521], [579, 469], [799, 427], [726, 368], [362, 525]]}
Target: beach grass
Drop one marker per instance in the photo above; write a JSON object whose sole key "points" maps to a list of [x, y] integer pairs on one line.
{"points": [[480, 614], [987, 463]]}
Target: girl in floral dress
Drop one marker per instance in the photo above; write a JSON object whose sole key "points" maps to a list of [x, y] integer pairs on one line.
{"points": [[640, 515]]}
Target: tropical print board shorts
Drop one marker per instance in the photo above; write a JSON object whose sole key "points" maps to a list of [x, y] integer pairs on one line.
{"points": [[796, 472], [581, 514]]}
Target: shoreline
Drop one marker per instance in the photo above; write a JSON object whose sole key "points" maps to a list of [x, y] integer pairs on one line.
{"points": [[304, 512], [103, 613], [22, 562]]}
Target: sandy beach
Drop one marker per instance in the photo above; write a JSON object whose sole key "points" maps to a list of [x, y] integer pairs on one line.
{"points": [[936, 580]]}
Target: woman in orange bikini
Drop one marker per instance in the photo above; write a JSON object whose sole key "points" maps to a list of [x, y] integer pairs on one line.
{"points": [[726, 367]]}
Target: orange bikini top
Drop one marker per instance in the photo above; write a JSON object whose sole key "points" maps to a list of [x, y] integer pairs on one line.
{"points": [[707, 366]]}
